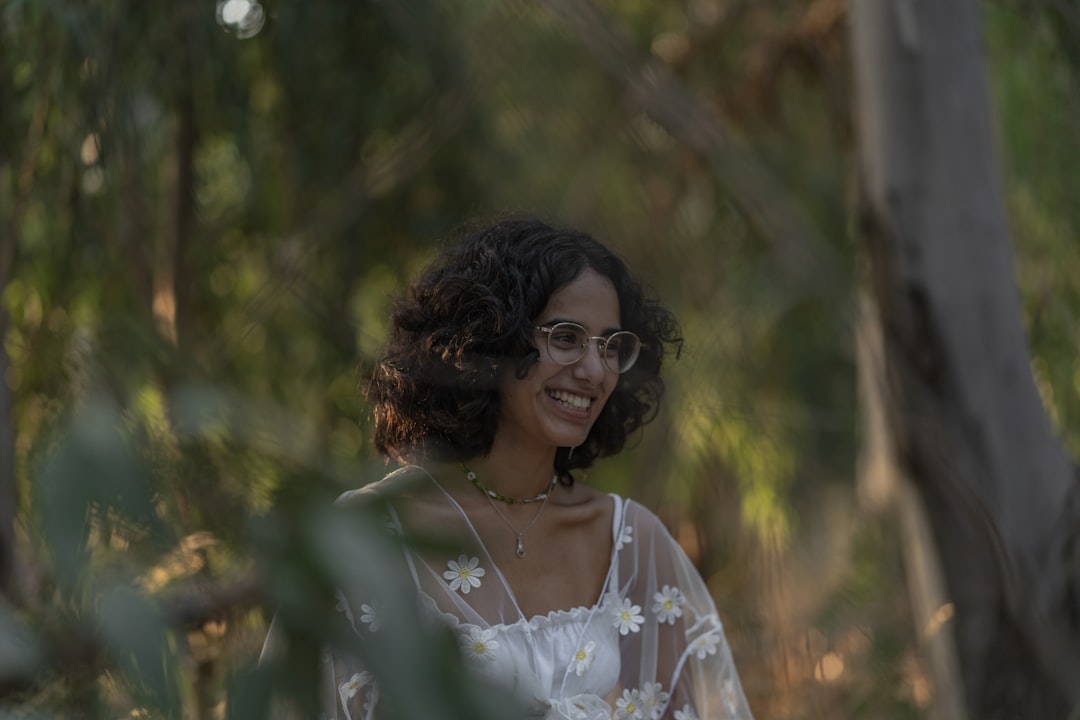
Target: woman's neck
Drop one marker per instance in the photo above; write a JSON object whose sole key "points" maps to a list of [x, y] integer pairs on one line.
{"points": [[514, 474]]}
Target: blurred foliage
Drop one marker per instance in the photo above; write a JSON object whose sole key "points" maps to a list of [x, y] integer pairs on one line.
{"points": [[206, 210]]}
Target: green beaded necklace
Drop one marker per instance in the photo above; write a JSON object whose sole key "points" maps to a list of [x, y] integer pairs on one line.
{"points": [[505, 498]]}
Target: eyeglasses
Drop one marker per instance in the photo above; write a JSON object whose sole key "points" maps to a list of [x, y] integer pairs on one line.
{"points": [[568, 342]]}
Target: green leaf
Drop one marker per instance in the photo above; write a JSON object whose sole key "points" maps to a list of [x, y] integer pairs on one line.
{"points": [[20, 650], [133, 629]]}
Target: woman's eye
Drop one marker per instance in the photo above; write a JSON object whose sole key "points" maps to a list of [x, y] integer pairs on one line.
{"points": [[565, 338]]}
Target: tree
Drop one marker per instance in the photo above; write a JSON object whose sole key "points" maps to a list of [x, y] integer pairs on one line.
{"points": [[203, 217], [965, 419]]}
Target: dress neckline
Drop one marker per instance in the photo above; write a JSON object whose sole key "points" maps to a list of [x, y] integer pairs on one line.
{"points": [[552, 616]]}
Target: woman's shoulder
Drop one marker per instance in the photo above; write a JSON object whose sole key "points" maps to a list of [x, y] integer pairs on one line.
{"points": [[643, 519], [392, 485]]}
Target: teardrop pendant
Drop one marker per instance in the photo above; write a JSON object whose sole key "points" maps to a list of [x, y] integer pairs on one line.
{"points": [[520, 548]]}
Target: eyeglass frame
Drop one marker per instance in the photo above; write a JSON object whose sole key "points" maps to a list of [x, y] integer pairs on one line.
{"points": [[601, 345]]}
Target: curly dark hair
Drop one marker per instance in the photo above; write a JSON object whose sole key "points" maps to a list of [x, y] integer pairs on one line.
{"points": [[470, 315]]}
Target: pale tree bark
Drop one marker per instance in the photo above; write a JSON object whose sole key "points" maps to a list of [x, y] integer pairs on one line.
{"points": [[882, 488], [965, 421]]}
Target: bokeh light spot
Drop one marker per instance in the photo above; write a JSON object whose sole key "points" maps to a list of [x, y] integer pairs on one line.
{"points": [[244, 18]]}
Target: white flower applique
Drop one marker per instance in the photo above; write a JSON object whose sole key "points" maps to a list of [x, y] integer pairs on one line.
{"points": [[687, 713], [464, 574], [568, 708], [343, 607], [727, 691], [583, 658], [626, 536], [653, 699], [705, 645], [630, 706], [479, 644], [626, 616], [369, 618], [667, 604], [350, 687]]}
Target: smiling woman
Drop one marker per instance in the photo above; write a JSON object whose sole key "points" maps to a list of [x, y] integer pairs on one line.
{"points": [[524, 354]]}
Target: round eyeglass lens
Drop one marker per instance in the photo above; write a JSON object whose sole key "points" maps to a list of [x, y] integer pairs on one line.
{"points": [[621, 351], [568, 342]]}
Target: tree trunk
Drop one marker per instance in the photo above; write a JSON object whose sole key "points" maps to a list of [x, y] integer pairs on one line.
{"points": [[966, 422]]}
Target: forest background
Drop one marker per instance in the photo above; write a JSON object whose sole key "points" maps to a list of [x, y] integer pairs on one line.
{"points": [[206, 209]]}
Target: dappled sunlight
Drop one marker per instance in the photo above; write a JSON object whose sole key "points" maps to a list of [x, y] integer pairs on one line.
{"points": [[830, 667], [207, 220], [224, 179], [754, 458]]}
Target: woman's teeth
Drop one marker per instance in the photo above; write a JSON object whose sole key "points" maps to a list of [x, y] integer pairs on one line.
{"points": [[578, 402]]}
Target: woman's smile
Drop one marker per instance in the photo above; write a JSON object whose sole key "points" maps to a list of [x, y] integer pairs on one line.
{"points": [[571, 400], [555, 405]]}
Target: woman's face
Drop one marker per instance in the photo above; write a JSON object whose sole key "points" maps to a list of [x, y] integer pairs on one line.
{"points": [[555, 405]]}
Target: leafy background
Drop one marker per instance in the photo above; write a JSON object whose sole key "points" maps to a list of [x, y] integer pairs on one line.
{"points": [[207, 207]]}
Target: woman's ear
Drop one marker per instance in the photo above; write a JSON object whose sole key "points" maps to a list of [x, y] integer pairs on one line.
{"points": [[522, 369]]}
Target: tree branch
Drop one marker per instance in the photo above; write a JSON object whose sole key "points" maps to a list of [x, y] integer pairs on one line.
{"points": [[760, 196]]}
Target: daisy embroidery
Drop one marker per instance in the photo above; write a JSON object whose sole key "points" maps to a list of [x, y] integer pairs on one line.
{"points": [[343, 608], [629, 706], [626, 536], [578, 713], [705, 645], [687, 713], [343, 605], [479, 645], [464, 573], [350, 687], [626, 616], [667, 604], [728, 693], [568, 709], [369, 618], [653, 699], [583, 658]]}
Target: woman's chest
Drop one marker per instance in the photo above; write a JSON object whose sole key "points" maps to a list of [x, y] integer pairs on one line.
{"points": [[549, 657], [559, 562]]}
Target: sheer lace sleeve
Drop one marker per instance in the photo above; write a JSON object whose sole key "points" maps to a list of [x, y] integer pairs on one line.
{"points": [[675, 660], [346, 688]]}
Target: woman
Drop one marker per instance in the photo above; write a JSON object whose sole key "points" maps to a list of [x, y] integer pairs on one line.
{"points": [[518, 358]]}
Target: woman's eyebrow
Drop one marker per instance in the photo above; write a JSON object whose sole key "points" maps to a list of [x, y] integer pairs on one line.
{"points": [[555, 321]]}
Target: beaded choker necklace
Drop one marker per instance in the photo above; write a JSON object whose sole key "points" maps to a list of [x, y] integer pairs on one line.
{"points": [[505, 498]]}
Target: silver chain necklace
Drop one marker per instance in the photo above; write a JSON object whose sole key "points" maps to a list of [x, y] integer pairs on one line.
{"points": [[520, 549]]}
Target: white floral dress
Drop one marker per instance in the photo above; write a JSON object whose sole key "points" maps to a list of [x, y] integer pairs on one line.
{"points": [[651, 648]]}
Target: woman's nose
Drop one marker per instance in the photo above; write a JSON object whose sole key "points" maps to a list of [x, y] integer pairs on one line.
{"points": [[591, 366]]}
